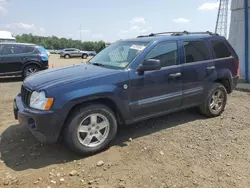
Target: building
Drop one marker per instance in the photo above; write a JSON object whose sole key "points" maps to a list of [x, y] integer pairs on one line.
{"points": [[239, 34]]}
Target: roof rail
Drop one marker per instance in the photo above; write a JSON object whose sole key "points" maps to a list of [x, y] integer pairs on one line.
{"points": [[177, 33]]}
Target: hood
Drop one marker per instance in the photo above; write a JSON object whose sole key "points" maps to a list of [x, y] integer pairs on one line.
{"points": [[65, 75]]}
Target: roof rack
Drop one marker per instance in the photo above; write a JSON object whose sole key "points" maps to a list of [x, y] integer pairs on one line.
{"points": [[177, 33]]}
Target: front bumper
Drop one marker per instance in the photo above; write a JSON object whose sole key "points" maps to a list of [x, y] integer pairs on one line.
{"points": [[44, 125]]}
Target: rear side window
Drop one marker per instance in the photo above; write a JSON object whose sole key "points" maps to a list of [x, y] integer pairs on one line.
{"points": [[195, 51], [220, 49], [29, 49], [166, 52]]}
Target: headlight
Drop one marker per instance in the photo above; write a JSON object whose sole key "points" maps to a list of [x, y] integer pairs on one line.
{"points": [[39, 101]]}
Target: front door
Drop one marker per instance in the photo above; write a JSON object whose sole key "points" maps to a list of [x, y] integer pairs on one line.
{"points": [[198, 71], [158, 91]]}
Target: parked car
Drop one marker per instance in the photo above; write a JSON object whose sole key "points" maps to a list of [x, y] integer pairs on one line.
{"points": [[51, 51], [73, 52], [22, 59], [92, 53], [127, 82]]}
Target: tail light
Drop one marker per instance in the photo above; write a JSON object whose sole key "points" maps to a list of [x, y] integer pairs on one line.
{"points": [[44, 57], [237, 66]]}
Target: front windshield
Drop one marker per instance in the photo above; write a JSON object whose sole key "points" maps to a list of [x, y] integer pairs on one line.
{"points": [[119, 55], [7, 40]]}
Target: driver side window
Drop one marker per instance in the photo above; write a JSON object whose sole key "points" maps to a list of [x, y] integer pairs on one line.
{"points": [[166, 52]]}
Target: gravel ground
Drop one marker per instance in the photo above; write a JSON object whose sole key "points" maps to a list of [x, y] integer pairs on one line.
{"points": [[179, 150]]}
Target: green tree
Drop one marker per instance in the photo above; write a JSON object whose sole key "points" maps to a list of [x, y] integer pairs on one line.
{"points": [[56, 43]]}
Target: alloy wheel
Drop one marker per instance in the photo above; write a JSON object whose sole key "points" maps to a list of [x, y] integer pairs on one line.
{"points": [[217, 101], [93, 130]]}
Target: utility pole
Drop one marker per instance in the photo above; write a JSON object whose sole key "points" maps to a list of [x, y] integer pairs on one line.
{"points": [[222, 18], [81, 32]]}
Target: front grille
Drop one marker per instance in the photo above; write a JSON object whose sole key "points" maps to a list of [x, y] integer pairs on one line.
{"points": [[25, 94]]}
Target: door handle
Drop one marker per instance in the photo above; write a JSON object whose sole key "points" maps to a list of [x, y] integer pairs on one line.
{"points": [[175, 75], [211, 68]]}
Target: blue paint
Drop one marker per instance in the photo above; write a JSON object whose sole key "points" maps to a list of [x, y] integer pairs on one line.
{"points": [[246, 41], [149, 94]]}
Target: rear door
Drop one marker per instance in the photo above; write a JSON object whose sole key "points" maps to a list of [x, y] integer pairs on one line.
{"points": [[157, 91], [12, 58], [75, 53], [198, 71]]}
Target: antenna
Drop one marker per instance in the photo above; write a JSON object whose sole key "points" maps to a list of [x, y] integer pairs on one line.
{"points": [[222, 18]]}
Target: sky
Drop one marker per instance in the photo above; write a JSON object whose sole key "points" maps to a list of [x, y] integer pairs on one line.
{"points": [[108, 20]]}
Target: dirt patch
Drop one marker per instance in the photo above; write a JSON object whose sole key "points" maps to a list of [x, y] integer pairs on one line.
{"points": [[179, 150]]}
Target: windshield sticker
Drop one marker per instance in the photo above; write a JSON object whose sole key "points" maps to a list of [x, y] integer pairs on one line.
{"points": [[123, 64], [137, 47]]}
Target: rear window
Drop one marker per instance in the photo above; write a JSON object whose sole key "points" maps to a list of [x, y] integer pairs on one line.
{"points": [[42, 50], [220, 49], [195, 51]]}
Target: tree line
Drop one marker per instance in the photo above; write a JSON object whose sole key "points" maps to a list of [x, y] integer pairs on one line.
{"points": [[56, 43]]}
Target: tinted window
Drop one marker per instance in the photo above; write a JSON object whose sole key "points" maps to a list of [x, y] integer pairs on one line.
{"points": [[220, 49], [12, 49], [29, 49], [195, 51], [167, 53]]}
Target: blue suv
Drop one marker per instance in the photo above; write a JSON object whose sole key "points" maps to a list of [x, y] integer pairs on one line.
{"points": [[127, 82]]}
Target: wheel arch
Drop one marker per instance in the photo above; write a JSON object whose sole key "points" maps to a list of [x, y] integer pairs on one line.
{"points": [[226, 83], [30, 63], [225, 78], [105, 101]]}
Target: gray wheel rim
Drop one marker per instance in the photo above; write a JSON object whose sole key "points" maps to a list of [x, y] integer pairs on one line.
{"points": [[31, 71], [67, 56], [93, 130], [217, 101], [85, 56]]}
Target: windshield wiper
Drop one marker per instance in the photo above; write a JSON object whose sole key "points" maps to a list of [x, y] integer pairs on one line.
{"points": [[98, 64]]}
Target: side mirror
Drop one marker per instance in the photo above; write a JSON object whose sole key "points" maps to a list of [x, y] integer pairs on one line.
{"points": [[149, 65]]}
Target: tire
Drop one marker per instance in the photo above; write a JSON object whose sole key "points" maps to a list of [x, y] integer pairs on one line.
{"points": [[83, 116], [208, 108], [84, 56], [30, 69], [67, 56]]}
